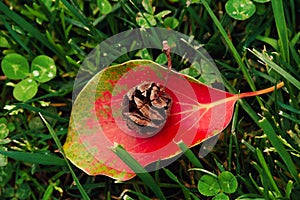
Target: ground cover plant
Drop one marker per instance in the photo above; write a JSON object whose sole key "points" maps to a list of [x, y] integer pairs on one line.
{"points": [[255, 45]]}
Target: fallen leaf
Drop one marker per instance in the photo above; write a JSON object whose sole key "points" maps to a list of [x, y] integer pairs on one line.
{"points": [[198, 112]]}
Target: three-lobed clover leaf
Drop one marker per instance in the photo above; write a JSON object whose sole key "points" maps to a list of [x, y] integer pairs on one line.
{"points": [[209, 185], [16, 67], [149, 18], [145, 20]]}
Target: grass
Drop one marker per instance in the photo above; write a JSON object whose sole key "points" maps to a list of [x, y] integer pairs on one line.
{"points": [[260, 147]]}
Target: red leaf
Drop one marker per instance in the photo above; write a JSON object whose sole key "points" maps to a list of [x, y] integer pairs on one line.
{"points": [[198, 112]]}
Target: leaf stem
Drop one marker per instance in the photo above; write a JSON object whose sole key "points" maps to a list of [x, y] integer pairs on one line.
{"points": [[167, 50], [259, 92], [236, 97]]}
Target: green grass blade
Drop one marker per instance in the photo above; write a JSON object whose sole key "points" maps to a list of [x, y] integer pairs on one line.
{"points": [[184, 189], [30, 29], [189, 154], [16, 37], [278, 13], [249, 146], [290, 117], [138, 194], [204, 171], [276, 67], [293, 49], [136, 167], [233, 138], [259, 170], [57, 142], [242, 102], [267, 172], [271, 41], [79, 15], [230, 45], [39, 110], [288, 189], [268, 129], [48, 192], [285, 156], [37, 158], [264, 181]]}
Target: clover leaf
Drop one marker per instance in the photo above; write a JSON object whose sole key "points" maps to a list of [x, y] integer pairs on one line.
{"points": [[3, 158], [15, 66], [243, 9], [240, 9], [25, 90], [3, 131], [104, 6], [5, 128], [171, 22], [221, 196], [43, 68], [228, 182], [209, 185]]}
